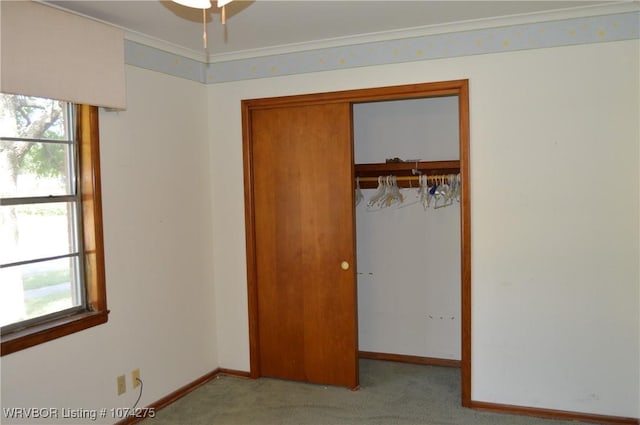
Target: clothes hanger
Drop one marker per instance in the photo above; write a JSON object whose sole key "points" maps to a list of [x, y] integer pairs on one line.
{"points": [[432, 190], [442, 194], [444, 189], [379, 194], [359, 196], [394, 194]]}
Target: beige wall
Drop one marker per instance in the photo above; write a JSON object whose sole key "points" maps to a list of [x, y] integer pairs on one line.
{"points": [[555, 216], [156, 195], [554, 187]]}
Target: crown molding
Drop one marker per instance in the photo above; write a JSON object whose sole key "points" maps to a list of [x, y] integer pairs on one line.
{"points": [[164, 45], [470, 25]]}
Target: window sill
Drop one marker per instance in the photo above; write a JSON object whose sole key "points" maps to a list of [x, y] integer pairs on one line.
{"points": [[25, 338]]}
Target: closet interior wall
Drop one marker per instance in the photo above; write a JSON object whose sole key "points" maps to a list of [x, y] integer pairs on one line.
{"points": [[408, 258]]}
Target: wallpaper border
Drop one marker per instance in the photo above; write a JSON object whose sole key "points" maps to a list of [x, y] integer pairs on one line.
{"points": [[567, 32]]}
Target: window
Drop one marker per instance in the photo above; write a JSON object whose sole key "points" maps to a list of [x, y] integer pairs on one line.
{"points": [[51, 250]]}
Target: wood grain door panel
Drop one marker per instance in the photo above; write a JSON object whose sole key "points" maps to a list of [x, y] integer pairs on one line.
{"points": [[303, 213]]}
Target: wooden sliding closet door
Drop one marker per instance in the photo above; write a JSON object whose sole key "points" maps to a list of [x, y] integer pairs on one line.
{"points": [[302, 191]]}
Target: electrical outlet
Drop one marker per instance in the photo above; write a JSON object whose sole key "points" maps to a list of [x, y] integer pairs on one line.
{"points": [[122, 386], [135, 375]]}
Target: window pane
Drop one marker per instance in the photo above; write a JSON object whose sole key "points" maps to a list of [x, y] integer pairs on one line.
{"points": [[33, 290], [37, 230], [33, 117], [35, 169]]}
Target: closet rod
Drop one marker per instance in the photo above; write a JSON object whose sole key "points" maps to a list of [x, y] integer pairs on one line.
{"points": [[404, 178]]}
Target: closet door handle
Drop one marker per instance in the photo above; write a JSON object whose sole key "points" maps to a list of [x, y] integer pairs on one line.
{"points": [[345, 265]]}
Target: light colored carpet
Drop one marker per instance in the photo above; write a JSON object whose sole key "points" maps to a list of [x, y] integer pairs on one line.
{"points": [[390, 393]]}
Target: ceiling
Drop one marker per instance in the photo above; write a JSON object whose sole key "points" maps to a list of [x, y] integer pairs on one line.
{"points": [[262, 24]]}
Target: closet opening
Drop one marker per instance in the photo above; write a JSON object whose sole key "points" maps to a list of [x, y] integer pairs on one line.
{"points": [[408, 190], [329, 282]]}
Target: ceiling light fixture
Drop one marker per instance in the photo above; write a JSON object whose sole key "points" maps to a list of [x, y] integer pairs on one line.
{"points": [[196, 4], [204, 5]]}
